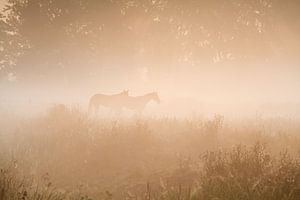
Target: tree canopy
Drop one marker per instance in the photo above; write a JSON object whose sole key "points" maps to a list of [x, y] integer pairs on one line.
{"points": [[73, 37]]}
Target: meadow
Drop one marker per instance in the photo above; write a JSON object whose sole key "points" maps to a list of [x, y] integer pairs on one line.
{"points": [[66, 154]]}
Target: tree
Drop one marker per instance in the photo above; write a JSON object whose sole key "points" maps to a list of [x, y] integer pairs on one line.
{"points": [[71, 38]]}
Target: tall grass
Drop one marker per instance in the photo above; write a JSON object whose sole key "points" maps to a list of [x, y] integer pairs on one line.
{"points": [[250, 173], [14, 186], [148, 158]]}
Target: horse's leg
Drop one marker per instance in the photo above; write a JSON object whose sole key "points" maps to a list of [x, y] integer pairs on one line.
{"points": [[90, 108], [96, 108]]}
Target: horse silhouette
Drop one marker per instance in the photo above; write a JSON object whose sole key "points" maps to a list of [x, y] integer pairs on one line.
{"points": [[115, 101], [122, 100], [139, 103]]}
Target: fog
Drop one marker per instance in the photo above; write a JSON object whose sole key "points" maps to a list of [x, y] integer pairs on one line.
{"points": [[223, 90], [200, 57], [149, 99], [196, 64]]}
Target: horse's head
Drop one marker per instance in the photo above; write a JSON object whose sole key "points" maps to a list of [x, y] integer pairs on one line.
{"points": [[155, 97], [124, 93]]}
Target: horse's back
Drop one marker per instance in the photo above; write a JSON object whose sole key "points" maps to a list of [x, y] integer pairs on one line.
{"points": [[107, 100]]}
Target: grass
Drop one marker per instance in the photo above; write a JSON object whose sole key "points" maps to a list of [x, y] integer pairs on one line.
{"points": [[65, 154]]}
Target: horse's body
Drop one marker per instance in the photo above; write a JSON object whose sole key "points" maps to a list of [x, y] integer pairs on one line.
{"points": [[139, 103], [122, 100], [115, 101]]}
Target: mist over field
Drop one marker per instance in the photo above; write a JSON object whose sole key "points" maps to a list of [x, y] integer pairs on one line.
{"points": [[149, 99]]}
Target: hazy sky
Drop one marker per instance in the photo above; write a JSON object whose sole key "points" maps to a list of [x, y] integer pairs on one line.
{"points": [[167, 52]]}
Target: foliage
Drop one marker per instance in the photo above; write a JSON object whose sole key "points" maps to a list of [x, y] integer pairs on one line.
{"points": [[66, 153], [55, 37], [249, 173]]}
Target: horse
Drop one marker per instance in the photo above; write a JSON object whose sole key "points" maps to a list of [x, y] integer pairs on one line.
{"points": [[115, 101], [138, 103]]}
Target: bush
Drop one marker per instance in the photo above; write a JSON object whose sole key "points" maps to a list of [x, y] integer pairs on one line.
{"points": [[147, 158], [249, 173]]}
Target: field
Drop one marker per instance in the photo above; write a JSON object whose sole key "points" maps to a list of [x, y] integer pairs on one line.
{"points": [[66, 154], [149, 100]]}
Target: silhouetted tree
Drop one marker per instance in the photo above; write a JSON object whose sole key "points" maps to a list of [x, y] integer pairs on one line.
{"points": [[54, 37]]}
